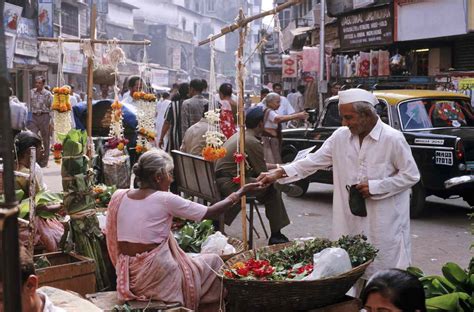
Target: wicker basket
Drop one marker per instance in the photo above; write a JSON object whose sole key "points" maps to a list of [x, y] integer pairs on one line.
{"points": [[251, 295], [238, 245], [103, 74]]}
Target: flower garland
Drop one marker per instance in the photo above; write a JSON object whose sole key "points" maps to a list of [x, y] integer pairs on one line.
{"points": [[214, 138], [61, 117], [146, 111], [117, 139]]}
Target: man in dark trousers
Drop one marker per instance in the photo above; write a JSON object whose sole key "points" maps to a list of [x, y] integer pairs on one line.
{"points": [[226, 170]]}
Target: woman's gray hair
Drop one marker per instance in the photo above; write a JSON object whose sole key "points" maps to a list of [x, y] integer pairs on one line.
{"points": [[152, 163], [272, 96], [365, 108]]}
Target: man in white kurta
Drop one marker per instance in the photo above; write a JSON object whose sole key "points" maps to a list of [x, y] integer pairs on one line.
{"points": [[383, 168]]}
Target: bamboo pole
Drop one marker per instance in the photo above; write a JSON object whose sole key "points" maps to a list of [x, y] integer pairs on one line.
{"points": [[90, 69], [244, 21], [32, 203], [96, 41], [240, 82]]}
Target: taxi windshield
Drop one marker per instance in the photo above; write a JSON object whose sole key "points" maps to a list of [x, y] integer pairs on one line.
{"points": [[436, 113]]}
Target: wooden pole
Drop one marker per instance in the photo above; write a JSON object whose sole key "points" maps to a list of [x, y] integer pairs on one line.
{"points": [[99, 41], [240, 83], [32, 193], [244, 21], [90, 69]]}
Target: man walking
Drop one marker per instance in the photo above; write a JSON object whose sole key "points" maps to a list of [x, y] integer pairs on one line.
{"points": [[377, 159], [40, 116], [193, 108]]}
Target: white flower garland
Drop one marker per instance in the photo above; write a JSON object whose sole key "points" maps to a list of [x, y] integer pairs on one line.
{"points": [[146, 111]]}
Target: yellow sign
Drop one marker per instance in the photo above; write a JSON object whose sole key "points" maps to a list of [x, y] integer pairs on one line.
{"points": [[466, 83]]}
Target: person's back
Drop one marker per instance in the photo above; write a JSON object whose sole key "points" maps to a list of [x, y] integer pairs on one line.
{"points": [[194, 139], [193, 108], [18, 114]]}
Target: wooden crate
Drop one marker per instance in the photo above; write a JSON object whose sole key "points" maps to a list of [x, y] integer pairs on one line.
{"points": [[68, 272]]}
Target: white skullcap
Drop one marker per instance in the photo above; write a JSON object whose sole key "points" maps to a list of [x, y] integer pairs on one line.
{"points": [[356, 95]]}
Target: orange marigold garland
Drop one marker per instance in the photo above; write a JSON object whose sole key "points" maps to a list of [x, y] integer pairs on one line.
{"points": [[146, 110], [61, 116], [117, 139]]}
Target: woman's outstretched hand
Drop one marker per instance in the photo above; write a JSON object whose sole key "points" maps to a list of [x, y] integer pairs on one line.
{"points": [[252, 187]]}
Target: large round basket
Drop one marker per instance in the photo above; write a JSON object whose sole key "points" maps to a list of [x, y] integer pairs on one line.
{"points": [[238, 245], [252, 295], [103, 74]]}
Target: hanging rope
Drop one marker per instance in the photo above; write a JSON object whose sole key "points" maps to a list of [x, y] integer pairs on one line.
{"points": [[280, 35]]}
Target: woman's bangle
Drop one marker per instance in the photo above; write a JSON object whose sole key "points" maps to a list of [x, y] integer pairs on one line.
{"points": [[234, 198]]}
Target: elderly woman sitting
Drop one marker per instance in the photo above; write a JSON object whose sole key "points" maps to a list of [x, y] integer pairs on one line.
{"points": [[272, 122], [147, 259]]}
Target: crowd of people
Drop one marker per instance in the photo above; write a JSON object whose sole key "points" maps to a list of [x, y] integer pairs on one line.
{"points": [[366, 154]]}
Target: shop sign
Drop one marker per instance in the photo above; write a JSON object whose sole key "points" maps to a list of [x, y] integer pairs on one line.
{"points": [[466, 83], [289, 66], [45, 18], [368, 28], [48, 52], [11, 17], [272, 61], [159, 77], [73, 59], [10, 48], [26, 40], [176, 61]]}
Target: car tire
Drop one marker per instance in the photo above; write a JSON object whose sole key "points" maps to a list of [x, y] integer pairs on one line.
{"points": [[302, 187], [417, 201]]}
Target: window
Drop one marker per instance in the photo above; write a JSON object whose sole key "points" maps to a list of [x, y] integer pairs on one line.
{"points": [[211, 5], [195, 31], [183, 24], [332, 118], [423, 114], [70, 19]]}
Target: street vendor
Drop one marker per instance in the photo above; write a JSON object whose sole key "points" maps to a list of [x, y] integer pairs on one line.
{"points": [[49, 229], [148, 261], [376, 159]]}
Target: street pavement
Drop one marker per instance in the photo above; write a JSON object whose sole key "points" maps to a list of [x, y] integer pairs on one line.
{"points": [[442, 235]]}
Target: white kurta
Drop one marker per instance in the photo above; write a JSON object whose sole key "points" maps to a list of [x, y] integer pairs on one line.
{"points": [[386, 162]]}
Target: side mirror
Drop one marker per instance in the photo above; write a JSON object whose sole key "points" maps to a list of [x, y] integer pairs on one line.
{"points": [[313, 115]]}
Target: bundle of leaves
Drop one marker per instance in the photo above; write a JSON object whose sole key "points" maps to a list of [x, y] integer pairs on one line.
{"points": [[359, 250], [103, 194], [191, 236]]}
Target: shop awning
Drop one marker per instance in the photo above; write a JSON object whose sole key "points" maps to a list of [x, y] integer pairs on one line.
{"points": [[291, 32]]}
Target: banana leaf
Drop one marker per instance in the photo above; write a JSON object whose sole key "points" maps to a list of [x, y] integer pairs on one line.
{"points": [[450, 302], [41, 198], [78, 195], [74, 147]]}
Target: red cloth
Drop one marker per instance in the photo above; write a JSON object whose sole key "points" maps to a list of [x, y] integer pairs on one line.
{"points": [[227, 123]]}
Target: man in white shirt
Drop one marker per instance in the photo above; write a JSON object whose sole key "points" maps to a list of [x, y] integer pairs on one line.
{"points": [[377, 159], [285, 106], [18, 114]]}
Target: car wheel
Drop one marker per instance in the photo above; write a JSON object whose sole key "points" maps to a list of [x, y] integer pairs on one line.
{"points": [[300, 188], [417, 201]]}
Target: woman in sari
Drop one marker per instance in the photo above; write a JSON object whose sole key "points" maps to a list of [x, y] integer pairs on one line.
{"points": [[49, 229], [228, 108], [147, 259]]}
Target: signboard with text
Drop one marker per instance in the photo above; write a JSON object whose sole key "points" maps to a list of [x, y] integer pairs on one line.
{"points": [[26, 40], [367, 28]]}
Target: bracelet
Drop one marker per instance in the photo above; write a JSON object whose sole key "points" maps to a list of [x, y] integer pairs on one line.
{"points": [[234, 198]]}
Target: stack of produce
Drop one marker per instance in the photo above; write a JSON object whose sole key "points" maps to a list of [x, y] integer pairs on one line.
{"points": [[295, 262], [146, 112], [191, 236], [84, 234], [103, 194]]}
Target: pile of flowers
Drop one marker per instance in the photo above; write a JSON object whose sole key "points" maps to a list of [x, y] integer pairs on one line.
{"points": [[255, 269], [146, 111], [214, 138], [61, 101], [57, 152]]}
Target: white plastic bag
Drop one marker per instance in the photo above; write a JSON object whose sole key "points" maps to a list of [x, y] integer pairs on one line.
{"points": [[217, 244], [329, 262]]}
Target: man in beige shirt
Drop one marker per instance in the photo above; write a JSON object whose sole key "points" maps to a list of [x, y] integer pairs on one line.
{"points": [[194, 138]]}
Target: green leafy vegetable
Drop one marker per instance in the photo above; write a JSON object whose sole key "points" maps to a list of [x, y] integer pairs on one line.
{"points": [[191, 236], [41, 198]]}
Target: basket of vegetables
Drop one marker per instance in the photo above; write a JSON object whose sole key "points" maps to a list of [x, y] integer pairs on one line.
{"points": [[272, 277], [191, 235]]}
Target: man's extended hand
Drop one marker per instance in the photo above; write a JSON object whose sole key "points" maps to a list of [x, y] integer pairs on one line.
{"points": [[363, 188], [267, 178]]}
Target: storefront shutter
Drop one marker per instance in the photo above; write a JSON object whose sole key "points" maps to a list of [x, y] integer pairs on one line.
{"points": [[463, 56]]}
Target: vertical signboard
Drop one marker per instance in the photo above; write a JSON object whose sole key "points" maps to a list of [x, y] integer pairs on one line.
{"points": [[26, 40], [45, 18]]}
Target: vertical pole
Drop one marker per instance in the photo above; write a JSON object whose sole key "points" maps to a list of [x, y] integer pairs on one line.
{"points": [[240, 82], [90, 68], [32, 193], [9, 262], [322, 55]]}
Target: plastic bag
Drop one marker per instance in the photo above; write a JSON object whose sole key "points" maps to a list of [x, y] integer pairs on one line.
{"points": [[116, 166], [329, 262], [217, 244]]}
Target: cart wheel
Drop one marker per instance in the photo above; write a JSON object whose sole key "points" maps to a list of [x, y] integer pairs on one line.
{"points": [[417, 201]]}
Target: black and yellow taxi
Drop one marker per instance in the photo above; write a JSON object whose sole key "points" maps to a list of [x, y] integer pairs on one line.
{"points": [[438, 126]]}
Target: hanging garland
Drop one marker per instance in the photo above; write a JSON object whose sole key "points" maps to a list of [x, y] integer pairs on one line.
{"points": [[116, 55], [146, 110], [214, 137]]}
